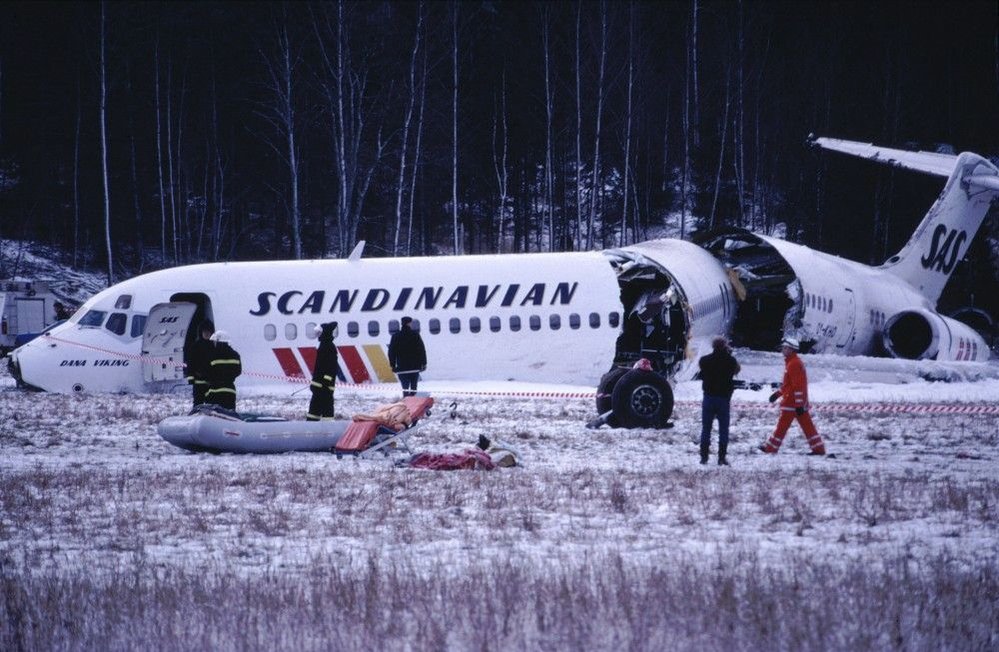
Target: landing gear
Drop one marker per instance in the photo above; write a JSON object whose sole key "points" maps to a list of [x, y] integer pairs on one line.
{"points": [[634, 398]]}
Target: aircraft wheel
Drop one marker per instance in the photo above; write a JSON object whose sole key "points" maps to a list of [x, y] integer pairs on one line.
{"points": [[642, 399], [605, 393]]}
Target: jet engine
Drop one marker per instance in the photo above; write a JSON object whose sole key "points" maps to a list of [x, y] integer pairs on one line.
{"points": [[922, 334]]}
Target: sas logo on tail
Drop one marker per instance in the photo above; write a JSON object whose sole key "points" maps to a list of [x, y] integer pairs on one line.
{"points": [[944, 251], [299, 363]]}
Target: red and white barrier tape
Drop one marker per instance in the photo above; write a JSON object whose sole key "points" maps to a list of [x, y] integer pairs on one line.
{"points": [[919, 408]]}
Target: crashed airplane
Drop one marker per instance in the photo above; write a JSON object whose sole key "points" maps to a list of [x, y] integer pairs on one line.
{"points": [[557, 318]]}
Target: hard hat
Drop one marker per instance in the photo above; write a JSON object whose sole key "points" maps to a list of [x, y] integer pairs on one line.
{"points": [[220, 336], [791, 343]]}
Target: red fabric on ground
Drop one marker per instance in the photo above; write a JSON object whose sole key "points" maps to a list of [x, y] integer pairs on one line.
{"points": [[472, 459]]}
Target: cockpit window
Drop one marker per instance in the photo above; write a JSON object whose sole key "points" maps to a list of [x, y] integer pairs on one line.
{"points": [[138, 325], [124, 302], [93, 318], [116, 323]]}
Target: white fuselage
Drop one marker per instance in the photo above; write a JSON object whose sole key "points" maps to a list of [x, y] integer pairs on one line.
{"points": [[537, 317]]}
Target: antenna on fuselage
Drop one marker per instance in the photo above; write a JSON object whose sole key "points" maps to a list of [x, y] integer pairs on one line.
{"points": [[358, 250]]}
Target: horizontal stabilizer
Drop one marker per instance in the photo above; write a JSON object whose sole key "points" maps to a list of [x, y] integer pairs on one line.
{"points": [[929, 162]]}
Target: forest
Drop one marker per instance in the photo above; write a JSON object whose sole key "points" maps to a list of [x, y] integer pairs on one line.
{"points": [[138, 135]]}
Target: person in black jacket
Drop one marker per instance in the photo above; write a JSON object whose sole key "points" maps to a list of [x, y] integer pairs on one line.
{"points": [[197, 357], [324, 374], [408, 356], [223, 369], [718, 370]]}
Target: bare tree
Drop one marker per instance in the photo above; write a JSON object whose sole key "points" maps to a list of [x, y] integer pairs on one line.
{"points": [[500, 166], [627, 134], [281, 65], [76, 172], [404, 147], [454, 124], [596, 183], [102, 115], [159, 157], [417, 152], [579, 134], [136, 204], [549, 109], [351, 107]]}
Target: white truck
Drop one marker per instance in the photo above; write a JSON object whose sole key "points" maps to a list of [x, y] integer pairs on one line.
{"points": [[26, 308]]}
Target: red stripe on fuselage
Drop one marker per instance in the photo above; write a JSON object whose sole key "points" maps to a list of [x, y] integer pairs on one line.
{"points": [[309, 355], [290, 366], [355, 365]]}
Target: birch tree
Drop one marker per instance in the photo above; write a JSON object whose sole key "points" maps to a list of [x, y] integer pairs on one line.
{"points": [[627, 131], [596, 180], [356, 155], [281, 65], [404, 147], [454, 125], [102, 119], [549, 109], [500, 164]]}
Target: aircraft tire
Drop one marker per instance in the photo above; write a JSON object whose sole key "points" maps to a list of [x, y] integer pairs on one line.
{"points": [[605, 393], [642, 399]]}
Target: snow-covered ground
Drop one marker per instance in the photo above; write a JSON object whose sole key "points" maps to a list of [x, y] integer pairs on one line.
{"points": [[110, 537]]}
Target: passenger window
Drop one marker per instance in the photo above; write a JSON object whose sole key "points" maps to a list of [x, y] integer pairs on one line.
{"points": [[138, 325], [290, 331], [415, 325], [373, 329], [830, 305], [393, 326], [495, 324], [124, 302], [454, 325], [435, 326], [515, 323], [116, 323], [93, 318], [270, 332], [310, 331], [574, 321], [474, 325], [594, 320], [614, 319], [535, 322], [554, 322], [353, 329]]}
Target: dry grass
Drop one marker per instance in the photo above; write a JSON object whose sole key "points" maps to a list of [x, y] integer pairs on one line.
{"points": [[111, 539]]}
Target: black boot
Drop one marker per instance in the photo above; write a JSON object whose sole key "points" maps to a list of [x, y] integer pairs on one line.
{"points": [[722, 451], [705, 451]]}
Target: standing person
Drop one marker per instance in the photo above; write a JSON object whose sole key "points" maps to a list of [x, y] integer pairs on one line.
{"points": [[407, 356], [793, 393], [224, 367], [324, 374], [197, 358], [718, 368]]}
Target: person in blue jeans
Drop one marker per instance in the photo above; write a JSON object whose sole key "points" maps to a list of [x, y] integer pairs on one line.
{"points": [[718, 370], [408, 356]]}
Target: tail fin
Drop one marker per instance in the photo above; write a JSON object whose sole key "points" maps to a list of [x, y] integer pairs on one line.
{"points": [[943, 237]]}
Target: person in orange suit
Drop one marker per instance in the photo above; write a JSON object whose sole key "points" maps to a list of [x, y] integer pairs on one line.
{"points": [[793, 393]]}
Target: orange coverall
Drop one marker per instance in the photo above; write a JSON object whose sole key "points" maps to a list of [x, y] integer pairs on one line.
{"points": [[794, 395]]}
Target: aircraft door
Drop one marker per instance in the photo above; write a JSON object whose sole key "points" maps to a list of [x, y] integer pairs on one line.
{"points": [[163, 341], [849, 319]]}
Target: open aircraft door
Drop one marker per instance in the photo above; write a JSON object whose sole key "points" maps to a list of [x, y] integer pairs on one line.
{"points": [[849, 323], [163, 342]]}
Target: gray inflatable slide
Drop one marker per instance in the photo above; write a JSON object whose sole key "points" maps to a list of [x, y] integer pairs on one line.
{"points": [[215, 429]]}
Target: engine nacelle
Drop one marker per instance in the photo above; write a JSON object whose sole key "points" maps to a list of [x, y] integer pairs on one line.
{"points": [[922, 334]]}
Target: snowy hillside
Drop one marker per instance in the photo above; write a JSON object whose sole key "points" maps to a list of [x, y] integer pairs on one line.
{"points": [[27, 261]]}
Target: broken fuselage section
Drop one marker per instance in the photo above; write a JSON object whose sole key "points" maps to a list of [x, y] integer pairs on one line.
{"points": [[674, 296]]}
